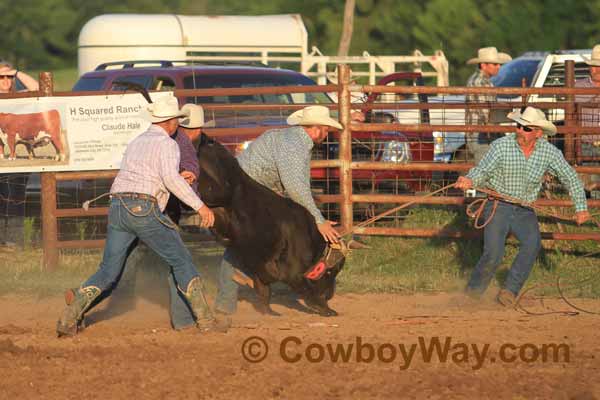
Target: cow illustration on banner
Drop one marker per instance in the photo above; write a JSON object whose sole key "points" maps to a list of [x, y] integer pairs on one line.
{"points": [[32, 130]]}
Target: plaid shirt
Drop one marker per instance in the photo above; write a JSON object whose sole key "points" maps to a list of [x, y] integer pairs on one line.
{"points": [[506, 170], [280, 160], [151, 166], [479, 116]]}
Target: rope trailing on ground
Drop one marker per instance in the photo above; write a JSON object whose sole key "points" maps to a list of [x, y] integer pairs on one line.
{"points": [[560, 288]]}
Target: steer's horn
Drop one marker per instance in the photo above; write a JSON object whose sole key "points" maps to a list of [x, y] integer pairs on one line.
{"points": [[136, 87]]}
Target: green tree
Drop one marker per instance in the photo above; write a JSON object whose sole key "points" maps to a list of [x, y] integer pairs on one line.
{"points": [[36, 33], [455, 27]]}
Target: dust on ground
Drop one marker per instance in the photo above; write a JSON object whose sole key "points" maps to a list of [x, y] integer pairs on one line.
{"points": [[133, 353]]}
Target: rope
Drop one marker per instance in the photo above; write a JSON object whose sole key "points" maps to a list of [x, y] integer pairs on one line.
{"points": [[393, 210], [495, 196], [560, 288], [477, 213]]}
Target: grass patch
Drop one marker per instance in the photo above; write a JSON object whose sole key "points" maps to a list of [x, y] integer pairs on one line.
{"points": [[392, 265], [22, 271]]}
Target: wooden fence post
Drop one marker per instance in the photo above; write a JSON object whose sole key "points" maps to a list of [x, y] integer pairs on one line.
{"points": [[345, 156], [48, 192], [49, 223]]}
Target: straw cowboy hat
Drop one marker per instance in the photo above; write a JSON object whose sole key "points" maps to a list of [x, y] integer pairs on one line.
{"points": [[313, 115], [595, 59], [194, 117], [163, 109], [533, 117], [490, 55]]}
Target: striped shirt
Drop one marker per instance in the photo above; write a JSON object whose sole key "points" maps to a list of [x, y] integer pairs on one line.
{"points": [[479, 116], [151, 166], [505, 169], [280, 160]]}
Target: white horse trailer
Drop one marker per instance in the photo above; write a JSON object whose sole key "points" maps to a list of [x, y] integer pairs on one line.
{"points": [[273, 40]]}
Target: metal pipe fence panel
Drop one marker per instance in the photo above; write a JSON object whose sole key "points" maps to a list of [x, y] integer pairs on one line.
{"points": [[392, 157]]}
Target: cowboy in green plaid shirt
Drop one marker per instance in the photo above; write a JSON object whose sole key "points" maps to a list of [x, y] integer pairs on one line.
{"points": [[515, 166]]}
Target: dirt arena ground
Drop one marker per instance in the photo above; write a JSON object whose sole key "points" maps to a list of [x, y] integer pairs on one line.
{"points": [[131, 352]]}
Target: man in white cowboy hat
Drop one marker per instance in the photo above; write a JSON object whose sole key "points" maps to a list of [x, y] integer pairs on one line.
{"points": [[190, 128], [149, 171], [489, 61], [590, 115], [280, 160], [515, 166]]}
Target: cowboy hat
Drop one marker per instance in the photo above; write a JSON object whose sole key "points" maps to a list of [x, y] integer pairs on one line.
{"points": [[163, 109], [490, 55], [595, 59], [313, 115], [533, 117], [194, 117]]}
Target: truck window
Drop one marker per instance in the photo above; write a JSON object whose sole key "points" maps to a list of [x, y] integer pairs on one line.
{"points": [[164, 84], [556, 75], [214, 81], [144, 80], [89, 84]]}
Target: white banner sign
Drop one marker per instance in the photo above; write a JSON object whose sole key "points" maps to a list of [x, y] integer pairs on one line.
{"points": [[69, 133]]}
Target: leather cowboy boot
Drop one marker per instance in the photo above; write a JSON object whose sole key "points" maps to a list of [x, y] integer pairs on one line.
{"points": [[78, 301], [205, 320]]}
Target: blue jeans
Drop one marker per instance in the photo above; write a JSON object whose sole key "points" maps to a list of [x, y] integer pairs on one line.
{"points": [[129, 219], [227, 295], [523, 223]]}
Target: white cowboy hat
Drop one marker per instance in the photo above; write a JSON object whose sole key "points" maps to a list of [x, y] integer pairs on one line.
{"points": [[313, 115], [595, 59], [163, 109], [194, 117], [533, 117], [490, 55]]}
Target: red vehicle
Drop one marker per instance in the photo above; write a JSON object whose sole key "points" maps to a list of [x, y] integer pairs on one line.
{"points": [[388, 146]]}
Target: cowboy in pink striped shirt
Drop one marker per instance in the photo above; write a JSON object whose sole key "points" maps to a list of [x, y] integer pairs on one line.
{"points": [[139, 194]]}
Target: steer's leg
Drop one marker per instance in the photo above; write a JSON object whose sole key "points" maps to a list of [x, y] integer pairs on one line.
{"points": [[263, 291]]}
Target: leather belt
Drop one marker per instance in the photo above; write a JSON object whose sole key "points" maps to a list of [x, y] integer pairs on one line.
{"points": [[132, 195], [512, 203]]}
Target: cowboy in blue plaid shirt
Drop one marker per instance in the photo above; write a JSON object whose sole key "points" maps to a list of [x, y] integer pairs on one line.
{"points": [[515, 166]]}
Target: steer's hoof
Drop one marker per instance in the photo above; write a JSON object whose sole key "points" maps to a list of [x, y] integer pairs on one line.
{"points": [[328, 313], [63, 330], [266, 310]]}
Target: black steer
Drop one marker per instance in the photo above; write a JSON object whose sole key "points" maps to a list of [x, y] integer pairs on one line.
{"points": [[273, 237]]}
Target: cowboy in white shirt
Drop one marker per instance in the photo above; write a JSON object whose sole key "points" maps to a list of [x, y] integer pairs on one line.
{"points": [[139, 194]]}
